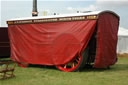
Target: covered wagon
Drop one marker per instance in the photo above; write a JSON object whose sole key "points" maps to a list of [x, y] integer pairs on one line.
{"points": [[67, 41]]}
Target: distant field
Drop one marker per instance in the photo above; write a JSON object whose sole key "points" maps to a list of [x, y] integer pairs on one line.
{"points": [[116, 75]]}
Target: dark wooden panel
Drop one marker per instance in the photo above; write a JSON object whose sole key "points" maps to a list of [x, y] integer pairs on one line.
{"points": [[4, 42]]}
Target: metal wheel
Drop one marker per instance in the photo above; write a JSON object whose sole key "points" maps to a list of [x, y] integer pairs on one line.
{"points": [[71, 66], [76, 64]]}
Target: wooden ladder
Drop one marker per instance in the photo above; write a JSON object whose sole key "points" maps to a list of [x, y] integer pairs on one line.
{"points": [[7, 68]]}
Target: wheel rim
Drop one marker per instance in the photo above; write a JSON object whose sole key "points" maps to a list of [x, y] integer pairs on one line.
{"points": [[23, 64], [71, 66]]}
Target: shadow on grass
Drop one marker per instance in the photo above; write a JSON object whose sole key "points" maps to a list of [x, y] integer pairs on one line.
{"points": [[115, 68], [41, 66]]}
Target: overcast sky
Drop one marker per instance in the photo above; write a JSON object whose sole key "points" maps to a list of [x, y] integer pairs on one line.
{"points": [[23, 8]]}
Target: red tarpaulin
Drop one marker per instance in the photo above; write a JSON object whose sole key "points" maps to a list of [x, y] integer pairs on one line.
{"points": [[58, 42], [49, 43], [107, 31]]}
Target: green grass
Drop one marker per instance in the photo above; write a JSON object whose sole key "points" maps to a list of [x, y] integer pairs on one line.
{"points": [[116, 75]]}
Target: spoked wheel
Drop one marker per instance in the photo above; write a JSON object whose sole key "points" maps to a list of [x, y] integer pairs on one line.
{"points": [[24, 65], [76, 64]]}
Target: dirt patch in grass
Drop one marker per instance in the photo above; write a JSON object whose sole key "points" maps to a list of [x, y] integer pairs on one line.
{"points": [[123, 55]]}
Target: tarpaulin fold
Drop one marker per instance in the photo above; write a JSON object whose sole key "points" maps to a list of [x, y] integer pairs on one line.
{"points": [[49, 43]]}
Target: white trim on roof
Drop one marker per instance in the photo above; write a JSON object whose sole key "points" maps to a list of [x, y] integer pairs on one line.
{"points": [[57, 16]]}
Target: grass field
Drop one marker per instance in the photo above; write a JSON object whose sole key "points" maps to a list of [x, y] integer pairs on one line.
{"points": [[116, 75]]}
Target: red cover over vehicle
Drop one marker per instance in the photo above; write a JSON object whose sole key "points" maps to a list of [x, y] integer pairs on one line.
{"points": [[57, 40]]}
